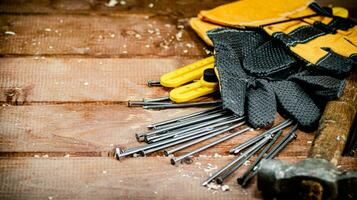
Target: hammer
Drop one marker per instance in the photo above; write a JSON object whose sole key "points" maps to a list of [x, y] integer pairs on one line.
{"points": [[317, 177]]}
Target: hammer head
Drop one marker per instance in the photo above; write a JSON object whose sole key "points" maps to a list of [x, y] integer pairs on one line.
{"points": [[309, 179]]}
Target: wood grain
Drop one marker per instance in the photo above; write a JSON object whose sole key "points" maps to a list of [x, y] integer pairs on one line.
{"points": [[59, 80], [106, 178], [336, 123], [95, 130], [174, 8], [100, 36], [179, 8]]}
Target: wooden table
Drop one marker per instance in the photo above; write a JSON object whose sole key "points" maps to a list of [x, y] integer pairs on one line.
{"points": [[65, 77]]}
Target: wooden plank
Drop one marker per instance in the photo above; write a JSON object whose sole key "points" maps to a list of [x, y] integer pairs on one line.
{"points": [[180, 8], [94, 130], [56, 80], [100, 36], [106, 178], [177, 8]]}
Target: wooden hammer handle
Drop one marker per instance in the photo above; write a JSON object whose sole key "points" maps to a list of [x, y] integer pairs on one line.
{"points": [[335, 124]]}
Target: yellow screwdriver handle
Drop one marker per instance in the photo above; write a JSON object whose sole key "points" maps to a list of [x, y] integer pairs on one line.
{"points": [[187, 73], [193, 90]]}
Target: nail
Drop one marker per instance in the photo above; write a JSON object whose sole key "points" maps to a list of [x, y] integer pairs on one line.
{"points": [[232, 163], [152, 83], [210, 133], [176, 126], [190, 119], [134, 150], [288, 138], [220, 140], [184, 105], [167, 153], [220, 179], [183, 117], [253, 140], [242, 180], [207, 124]]}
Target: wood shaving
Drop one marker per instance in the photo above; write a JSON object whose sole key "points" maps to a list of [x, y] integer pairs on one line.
{"points": [[225, 188], [10, 33], [246, 163], [111, 3], [138, 36], [213, 186]]}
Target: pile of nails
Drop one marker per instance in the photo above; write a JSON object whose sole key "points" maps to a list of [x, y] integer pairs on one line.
{"points": [[185, 131]]}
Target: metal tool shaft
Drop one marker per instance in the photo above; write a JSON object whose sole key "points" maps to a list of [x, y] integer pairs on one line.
{"points": [[152, 83], [184, 105], [156, 99], [142, 103], [175, 160]]}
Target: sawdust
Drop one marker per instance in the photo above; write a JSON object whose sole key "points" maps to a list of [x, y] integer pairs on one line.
{"points": [[10, 33], [111, 3]]}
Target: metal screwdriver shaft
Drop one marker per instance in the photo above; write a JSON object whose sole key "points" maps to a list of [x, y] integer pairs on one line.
{"points": [[184, 105]]}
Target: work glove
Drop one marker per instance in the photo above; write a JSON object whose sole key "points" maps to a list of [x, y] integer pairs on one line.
{"points": [[322, 37], [258, 76]]}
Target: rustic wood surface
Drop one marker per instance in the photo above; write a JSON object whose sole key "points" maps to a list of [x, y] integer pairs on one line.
{"points": [[65, 77]]}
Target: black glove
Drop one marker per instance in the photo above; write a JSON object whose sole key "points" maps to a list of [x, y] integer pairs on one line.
{"points": [[259, 76]]}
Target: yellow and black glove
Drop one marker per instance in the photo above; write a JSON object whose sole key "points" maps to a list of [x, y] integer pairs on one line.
{"points": [[322, 37]]}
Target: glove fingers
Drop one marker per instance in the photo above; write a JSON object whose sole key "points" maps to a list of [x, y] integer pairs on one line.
{"points": [[261, 105], [232, 81], [334, 64], [296, 103], [228, 55], [326, 87]]}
